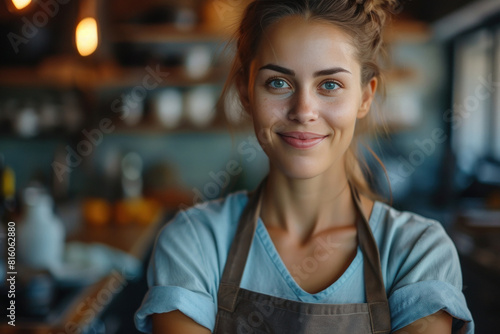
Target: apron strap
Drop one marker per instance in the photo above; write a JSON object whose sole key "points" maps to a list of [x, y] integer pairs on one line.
{"points": [[238, 253], [376, 296]]}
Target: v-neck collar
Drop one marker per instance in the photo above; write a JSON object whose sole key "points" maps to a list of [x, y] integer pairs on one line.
{"points": [[301, 294]]}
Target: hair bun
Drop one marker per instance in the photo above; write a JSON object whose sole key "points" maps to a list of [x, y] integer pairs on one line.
{"points": [[380, 10], [381, 7]]}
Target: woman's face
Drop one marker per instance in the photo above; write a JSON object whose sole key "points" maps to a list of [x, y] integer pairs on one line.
{"points": [[304, 95]]}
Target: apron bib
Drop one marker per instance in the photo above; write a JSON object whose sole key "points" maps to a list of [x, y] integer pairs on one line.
{"points": [[243, 311]]}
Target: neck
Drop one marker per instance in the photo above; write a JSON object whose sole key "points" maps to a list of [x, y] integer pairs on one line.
{"points": [[303, 208]]}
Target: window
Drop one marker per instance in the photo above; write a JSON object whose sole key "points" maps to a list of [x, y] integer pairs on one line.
{"points": [[473, 123]]}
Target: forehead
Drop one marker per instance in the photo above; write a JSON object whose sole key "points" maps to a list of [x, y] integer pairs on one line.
{"points": [[296, 43]]}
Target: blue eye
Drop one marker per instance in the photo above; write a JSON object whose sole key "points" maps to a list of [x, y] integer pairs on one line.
{"points": [[278, 84], [330, 85]]}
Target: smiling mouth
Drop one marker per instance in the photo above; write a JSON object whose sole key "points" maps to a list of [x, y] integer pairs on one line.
{"points": [[302, 140]]}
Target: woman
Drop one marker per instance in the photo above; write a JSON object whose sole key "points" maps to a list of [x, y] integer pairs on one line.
{"points": [[310, 250]]}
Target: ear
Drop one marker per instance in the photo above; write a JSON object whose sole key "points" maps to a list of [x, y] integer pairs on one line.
{"points": [[242, 87], [368, 94]]}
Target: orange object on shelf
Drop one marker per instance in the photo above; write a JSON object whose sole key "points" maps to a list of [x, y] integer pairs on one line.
{"points": [[171, 198], [140, 211], [96, 211]]}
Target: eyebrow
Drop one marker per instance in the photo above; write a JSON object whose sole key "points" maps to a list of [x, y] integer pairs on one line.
{"points": [[287, 71]]}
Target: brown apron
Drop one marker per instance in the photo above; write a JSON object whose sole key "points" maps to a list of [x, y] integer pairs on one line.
{"points": [[244, 311]]}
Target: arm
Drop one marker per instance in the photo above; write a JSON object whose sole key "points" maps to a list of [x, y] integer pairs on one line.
{"points": [[437, 323], [175, 322], [424, 275]]}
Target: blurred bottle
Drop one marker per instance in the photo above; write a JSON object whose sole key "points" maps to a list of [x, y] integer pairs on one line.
{"points": [[131, 172], [27, 120], [7, 210], [132, 109], [8, 189], [71, 112], [133, 207], [49, 115], [41, 234]]}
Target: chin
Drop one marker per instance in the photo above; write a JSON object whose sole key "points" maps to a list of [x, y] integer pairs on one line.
{"points": [[300, 169]]}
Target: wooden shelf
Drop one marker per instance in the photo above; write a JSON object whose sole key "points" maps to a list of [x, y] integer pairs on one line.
{"points": [[176, 77], [70, 74], [164, 33]]}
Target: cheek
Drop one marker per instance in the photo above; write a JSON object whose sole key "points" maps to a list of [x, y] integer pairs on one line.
{"points": [[341, 114], [268, 113], [264, 117]]}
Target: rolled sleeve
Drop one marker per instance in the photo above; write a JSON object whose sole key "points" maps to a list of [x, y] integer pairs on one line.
{"points": [[178, 277], [162, 299], [421, 299], [428, 278]]}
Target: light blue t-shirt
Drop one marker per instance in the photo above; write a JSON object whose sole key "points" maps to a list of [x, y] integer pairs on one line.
{"points": [[419, 262]]}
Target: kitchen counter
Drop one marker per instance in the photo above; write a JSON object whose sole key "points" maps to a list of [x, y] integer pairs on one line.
{"points": [[78, 309]]}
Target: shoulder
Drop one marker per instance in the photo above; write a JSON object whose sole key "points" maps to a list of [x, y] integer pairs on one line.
{"points": [[208, 224], [403, 227], [389, 218], [215, 213], [411, 243]]}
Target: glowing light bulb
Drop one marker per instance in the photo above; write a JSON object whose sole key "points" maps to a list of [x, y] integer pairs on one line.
{"points": [[20, 4], [86, 36]]}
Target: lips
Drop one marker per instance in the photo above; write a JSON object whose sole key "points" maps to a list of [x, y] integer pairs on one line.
{"points": [[302, 140]]}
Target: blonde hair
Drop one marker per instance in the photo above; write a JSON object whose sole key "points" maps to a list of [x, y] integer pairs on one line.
{"points": [[363, 20]]}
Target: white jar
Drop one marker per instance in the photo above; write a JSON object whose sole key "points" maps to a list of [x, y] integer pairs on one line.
{"points": [[200, 106], [168, 107], [40, 238]]}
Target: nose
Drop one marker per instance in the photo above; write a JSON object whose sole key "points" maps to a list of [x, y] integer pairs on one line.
{"points": [[304, 108]]}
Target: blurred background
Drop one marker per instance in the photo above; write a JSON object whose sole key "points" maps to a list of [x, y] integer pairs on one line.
{"points": [[108, 127]]}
